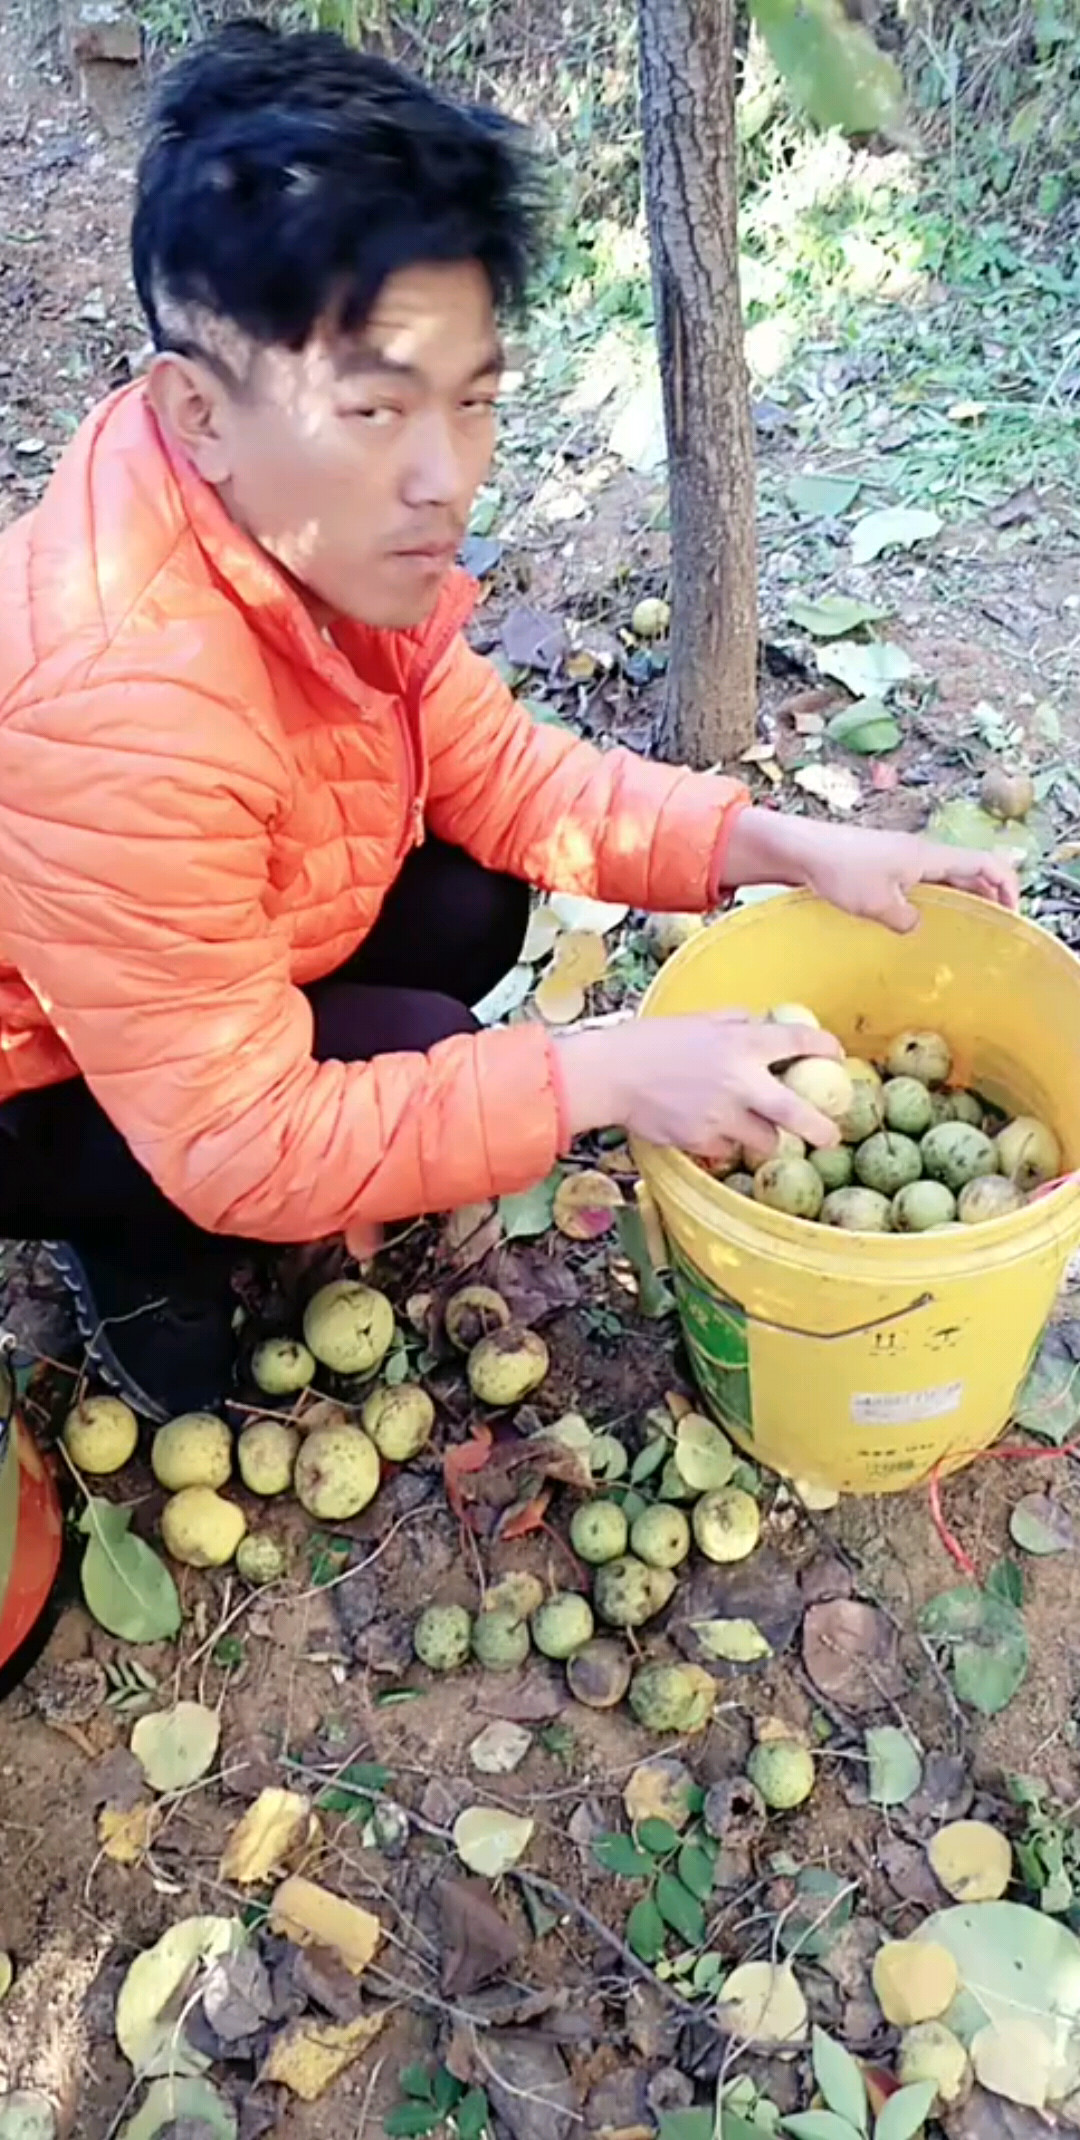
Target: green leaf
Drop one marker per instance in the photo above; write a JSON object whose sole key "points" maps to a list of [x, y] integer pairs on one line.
{"points": [[654, 1298], [709, 1972], [906, 2112], [680, 1909], [733, 1641], [658, 1836], [645, 1931], [822, 497], [347, 1793], [696, 1870], [819, 1915], [170, 2104], [127, 1588], [328, 1556], [1005, 1581], [819, 2125], [840, 2080], [446, 2091], [833, 616], [988, 1643], [1049, 1400], [396, 1368], [867, 728], [531, 1211], [1041, 1526], [868, 667], [1014, 1962], [411, 2121], [686, 2125], [895, 1768], [473, 2114], [620, 1855], [963, 824], [415, 2081], [649, 1460], [831, 66], [892, 527]]}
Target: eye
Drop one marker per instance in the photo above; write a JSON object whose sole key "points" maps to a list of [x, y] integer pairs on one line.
{"points": [[374, 417], [480, 404]]}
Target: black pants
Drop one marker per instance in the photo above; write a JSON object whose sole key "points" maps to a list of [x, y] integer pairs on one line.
{"points": [[448, 930]]}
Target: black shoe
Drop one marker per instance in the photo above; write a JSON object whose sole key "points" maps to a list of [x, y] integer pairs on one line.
{"points": [[165, 1347]]}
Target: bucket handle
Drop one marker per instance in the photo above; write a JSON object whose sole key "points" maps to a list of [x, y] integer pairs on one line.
{"points": [[832, 1337]]}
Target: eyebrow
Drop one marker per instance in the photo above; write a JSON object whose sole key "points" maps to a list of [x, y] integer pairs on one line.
{"points": [[364, 358]]}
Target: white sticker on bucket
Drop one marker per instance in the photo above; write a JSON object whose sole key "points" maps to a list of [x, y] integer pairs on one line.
{"points": [[905, 1408]]}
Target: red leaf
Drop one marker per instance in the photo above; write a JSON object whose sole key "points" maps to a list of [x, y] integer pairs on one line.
{"points": [[526, 1516], [883, 778], [461, 1459]]}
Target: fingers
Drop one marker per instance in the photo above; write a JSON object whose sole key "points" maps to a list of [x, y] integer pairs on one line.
{"points": [[898, 913], [772, 1100], [782, 1043]]}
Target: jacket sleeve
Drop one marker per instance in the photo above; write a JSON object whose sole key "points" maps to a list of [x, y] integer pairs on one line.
{"points": [[134, 868], [540, 804]]}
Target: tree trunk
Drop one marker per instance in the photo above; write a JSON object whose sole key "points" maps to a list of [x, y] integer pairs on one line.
{"points": [[691, 186]]}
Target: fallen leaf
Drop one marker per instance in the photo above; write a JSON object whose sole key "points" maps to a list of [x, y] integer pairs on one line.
{"points": [[125, 1834], [867, 728], [477, 1942], [599, 916], [1049, 1401], [914, 1981], [528, 1212], [820, 1500], [868, 667], [581, 958], [535, 1697], [1015, 1963], [126, 1585], [26, 2115], [895, 1765], [833, 616], [760, 1592], [982, 2116], [559, 1001], [908, 1874], [237, 1999], [264, 1836], [892, 527], [311, 1916], [507, 996], [813, 1924], [961, 823], [833, 785], [528, 2086], [761, 2002], [541, 936], [151, 1999], [1015, 2059], [849, 1650], [533, 638], [310, 2055], [987, 1642], [176, 1746], [660, 1789], [500, 1748], [461, 1460], [1040, 1525], [173, 2106], [972, 1860], [704, 1457], [733, 1641], [489, 1841], [585, 1204], [823, 497]]}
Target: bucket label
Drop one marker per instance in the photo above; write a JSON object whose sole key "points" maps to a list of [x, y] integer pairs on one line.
{"points": [[905, 1408], [714, 1327]]}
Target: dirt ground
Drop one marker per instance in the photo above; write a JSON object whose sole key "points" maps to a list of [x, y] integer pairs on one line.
{"points": [[994, 617]]}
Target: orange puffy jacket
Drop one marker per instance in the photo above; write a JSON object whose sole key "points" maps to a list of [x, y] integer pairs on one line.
{"points": [[202, 806]]}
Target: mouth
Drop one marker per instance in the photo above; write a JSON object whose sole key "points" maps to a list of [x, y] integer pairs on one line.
{"points": [[436, 556]]}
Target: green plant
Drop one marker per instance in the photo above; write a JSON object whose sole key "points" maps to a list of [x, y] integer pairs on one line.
{"points": [[1047, 1854], [431, 2098], [840, 2081], [679, 1872], [131, 1687]]}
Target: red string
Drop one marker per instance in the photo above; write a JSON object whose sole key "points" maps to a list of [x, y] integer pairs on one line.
{"points": [[1024, 1453]]}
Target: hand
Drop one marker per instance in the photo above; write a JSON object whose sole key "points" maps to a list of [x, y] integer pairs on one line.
{"points": [[865, 873], [698, 1083]]}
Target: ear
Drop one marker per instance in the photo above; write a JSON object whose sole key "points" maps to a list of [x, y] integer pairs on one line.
{"points": [[193, 405]]}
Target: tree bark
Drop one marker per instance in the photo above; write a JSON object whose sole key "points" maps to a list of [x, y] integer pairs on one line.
{"points": [[691, 187]]}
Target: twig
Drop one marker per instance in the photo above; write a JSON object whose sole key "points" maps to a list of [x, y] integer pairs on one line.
{"points": [[695, 2015], [373, 2080], [319, 1590]]}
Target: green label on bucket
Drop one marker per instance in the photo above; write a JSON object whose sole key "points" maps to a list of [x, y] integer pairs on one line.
{"points": [[714, 1327]]}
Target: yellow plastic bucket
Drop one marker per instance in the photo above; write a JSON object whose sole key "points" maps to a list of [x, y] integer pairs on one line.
{"points": [[861, 1361]]}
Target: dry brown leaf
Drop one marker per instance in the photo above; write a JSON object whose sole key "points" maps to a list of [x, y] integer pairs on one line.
{"points": [[477, 1942], [585, 1205], [126, 1833], [558, 1001], [311, 1916], [263, 1838], [307, 2057], [849, 1650]]}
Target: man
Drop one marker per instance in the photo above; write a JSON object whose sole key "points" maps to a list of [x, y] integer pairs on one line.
{"points": [[267, 825]]}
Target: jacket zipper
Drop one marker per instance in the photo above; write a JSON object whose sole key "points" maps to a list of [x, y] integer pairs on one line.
{"points": [[457, 614]]}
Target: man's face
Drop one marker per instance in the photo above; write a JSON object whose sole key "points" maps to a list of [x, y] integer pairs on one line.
{"points": [[355, 461]]}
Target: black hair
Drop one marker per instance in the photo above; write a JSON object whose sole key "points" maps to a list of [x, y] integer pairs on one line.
{"points": [[286, 176]]}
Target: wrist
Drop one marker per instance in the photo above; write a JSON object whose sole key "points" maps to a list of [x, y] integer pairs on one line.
{"points": [[590, 1087], [765, 847]]}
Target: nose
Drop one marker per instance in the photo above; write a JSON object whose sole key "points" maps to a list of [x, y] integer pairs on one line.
{"points": [[432, 475]]}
